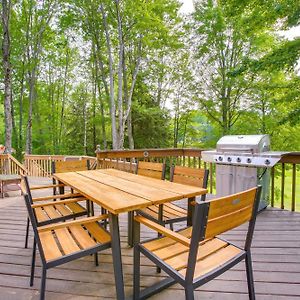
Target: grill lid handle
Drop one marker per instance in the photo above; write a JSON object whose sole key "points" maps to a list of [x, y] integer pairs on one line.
{"points": [[236, 149]]}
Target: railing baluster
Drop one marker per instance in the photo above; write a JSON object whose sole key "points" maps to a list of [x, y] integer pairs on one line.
{"points": [[282, 184], [272, 186], [294, 188]]}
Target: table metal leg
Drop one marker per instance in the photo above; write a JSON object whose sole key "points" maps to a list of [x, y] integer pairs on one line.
{"points": [[116, 254], [190, 211]]}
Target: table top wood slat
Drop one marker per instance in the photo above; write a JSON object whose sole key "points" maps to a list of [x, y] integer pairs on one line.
{"points": [[112, 199], [185, 190], [118, 191], [135, 188]]}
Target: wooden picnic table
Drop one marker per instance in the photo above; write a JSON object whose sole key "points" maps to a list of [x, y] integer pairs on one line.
{"points": [[121, 192]]}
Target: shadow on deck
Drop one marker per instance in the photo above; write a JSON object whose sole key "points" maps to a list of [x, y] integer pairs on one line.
{"points": [[276, 262]]}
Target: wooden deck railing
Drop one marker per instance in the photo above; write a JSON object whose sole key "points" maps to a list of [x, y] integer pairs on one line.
{"points": [[126, 159], [284, 192], [10, 166], [41, 165], [284, 185]]}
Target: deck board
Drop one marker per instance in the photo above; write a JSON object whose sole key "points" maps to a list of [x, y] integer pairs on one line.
{"points": [[275, 251]]}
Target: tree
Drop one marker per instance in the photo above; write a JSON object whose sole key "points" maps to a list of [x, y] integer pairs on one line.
{"points": [[6, 45]]}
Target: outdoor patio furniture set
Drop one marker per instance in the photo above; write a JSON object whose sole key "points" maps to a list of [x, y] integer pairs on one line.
{"points": [[65, 227]]}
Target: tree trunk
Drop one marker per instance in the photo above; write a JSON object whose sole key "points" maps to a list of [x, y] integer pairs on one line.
{"points": [[84, 126], [98, 59], [62, 113], [6, 6], [130, 133], [120, 77], [112, 107], [20, 139]]}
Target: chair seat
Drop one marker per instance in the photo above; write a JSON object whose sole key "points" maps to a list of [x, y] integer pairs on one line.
{"points": [[55, 211], [211, 255], [71, 239], [170, 212]]}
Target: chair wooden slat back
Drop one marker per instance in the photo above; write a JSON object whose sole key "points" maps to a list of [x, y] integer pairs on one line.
{"points": [[229, 212], [151, 169], [189, 176], [70, 166]]}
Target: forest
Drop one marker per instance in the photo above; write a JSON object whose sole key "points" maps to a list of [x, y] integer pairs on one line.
{"points": [[141, 74]]}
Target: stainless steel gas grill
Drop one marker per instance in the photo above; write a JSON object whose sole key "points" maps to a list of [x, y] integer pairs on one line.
{"points": [[242, 162]]}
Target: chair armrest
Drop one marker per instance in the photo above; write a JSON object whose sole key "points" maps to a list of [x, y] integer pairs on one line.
{"points": [[163, 230], [40, 187], [69, 195], [72, 200], [70, 223]]}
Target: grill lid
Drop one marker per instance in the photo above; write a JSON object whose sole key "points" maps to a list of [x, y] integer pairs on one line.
{"points": [[244, 143]]}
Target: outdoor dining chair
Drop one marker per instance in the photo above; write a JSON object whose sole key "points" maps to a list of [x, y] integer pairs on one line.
{"points": [[151, 169], [148, 169], [68, 166], [53, 208], [63, 242], [195, 255], [170, 213], [72, 166]]}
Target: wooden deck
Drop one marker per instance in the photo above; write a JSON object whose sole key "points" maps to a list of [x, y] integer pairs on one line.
{"points": [[276, 262]]}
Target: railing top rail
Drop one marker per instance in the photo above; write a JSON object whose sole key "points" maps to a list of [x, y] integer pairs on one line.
{"points": [[55, 157], [138, 153], [292, 158]]}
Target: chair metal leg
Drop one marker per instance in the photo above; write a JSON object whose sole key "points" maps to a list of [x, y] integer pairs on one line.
{"points": [[92, 208], [27, 233], [130, 228], [249, 272], [136, 273], [43, 284], [190, 211], [33, 263], [172, 226], [96, 259], [116, 254], [189, 293], [103, 211]]}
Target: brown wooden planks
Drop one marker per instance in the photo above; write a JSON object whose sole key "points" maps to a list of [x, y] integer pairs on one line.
{"points": [[114, 200], [185, 191], [82, 236], [66, 241], [214, 261], [51, 250], [141, 190], [98, 233]]}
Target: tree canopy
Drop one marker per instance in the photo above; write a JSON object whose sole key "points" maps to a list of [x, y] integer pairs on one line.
{"points": [[140, 74]]}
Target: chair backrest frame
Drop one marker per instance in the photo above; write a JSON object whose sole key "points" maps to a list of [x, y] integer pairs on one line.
{"points": [[200, 223], [27, 187], [33, 220], [194, 171], [70, 166], [143, 167]]}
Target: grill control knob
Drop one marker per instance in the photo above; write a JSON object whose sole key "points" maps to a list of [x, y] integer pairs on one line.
{"points": [[229, 159], [267, 162], [248, 160], [220, 158], [238, 159]]}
